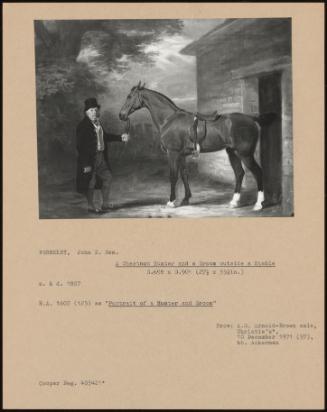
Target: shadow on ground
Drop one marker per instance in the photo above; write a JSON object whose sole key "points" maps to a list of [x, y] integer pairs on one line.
{"points": [[141, 190]]}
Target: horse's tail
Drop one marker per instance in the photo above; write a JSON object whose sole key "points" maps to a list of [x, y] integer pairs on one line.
{"points": [[265, 119]]}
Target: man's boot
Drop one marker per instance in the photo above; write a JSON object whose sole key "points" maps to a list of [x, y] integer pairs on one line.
{"points": [[90, 201], [106, 206]]}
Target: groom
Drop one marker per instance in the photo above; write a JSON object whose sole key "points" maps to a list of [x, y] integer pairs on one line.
{"points": [[93, 169]]}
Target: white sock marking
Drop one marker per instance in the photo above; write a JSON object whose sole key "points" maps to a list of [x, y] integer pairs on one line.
{"points": [[236, 200], [260, 199]]}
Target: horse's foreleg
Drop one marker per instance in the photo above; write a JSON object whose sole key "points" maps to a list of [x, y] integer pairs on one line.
{"points": [[253, 166], [184, 176], [239, 174], [173, 158]]}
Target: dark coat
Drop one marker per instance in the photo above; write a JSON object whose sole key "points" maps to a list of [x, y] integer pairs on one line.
{"points": [[86, 143]]}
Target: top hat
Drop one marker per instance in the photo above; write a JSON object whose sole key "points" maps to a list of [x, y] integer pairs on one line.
{"points": [[91, 102]]}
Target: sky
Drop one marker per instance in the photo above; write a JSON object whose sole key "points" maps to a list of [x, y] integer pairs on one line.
{"points": [[173, 73]]}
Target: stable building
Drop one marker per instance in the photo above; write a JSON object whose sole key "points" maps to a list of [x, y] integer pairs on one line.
{"points": [[245, 65]]}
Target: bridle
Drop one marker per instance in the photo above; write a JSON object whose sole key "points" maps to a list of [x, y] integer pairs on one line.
{"points": [[128, 122], [140, 101], [127, 127]]}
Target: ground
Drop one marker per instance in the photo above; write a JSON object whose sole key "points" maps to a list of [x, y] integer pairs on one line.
{"points": [[141, 190]]}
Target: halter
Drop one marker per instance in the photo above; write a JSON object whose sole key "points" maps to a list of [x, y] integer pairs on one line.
{"points": [[141, 105], [128, 122], [139, 98]]}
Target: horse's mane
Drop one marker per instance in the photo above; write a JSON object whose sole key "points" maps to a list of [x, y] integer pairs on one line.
{"points": [[165, 97]]}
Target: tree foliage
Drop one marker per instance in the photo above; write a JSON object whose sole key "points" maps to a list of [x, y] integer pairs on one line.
{"points": [[92, 48], [73, 58]]}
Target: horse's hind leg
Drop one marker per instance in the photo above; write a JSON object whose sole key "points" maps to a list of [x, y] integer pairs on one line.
{"points": [[253, 166], [239, 174], [184, 176]]}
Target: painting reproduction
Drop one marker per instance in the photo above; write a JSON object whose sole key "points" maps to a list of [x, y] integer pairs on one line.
{"points": [[164, 118]]}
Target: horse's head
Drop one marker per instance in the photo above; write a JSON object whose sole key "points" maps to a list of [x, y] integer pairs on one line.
{"points": [[133, 102]]}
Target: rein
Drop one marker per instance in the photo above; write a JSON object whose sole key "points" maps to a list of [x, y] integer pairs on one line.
{"points": [[126, 130], [127, 125]]}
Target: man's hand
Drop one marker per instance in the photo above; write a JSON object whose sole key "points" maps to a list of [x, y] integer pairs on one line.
{"points": [[125, 137], [87, 169]]}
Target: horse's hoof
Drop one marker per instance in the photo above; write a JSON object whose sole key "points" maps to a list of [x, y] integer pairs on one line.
{"points": [[185, 202], [171, 204], [234, 205], [257, 206]]}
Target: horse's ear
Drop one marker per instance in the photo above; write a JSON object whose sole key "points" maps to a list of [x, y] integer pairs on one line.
{"points": [[142, 87], [139, 85]]}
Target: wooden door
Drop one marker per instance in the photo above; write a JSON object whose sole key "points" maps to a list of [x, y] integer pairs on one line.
{"points": [[271, 137]]}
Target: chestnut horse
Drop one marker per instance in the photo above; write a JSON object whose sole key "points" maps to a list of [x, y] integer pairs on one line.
{"points": [[237, 133]]}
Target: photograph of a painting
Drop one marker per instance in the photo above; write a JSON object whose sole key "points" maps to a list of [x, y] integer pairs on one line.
{"points": [[164, 118]]}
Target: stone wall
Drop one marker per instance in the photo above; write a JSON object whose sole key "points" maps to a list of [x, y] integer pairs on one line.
{"points": [[227, 80]]}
